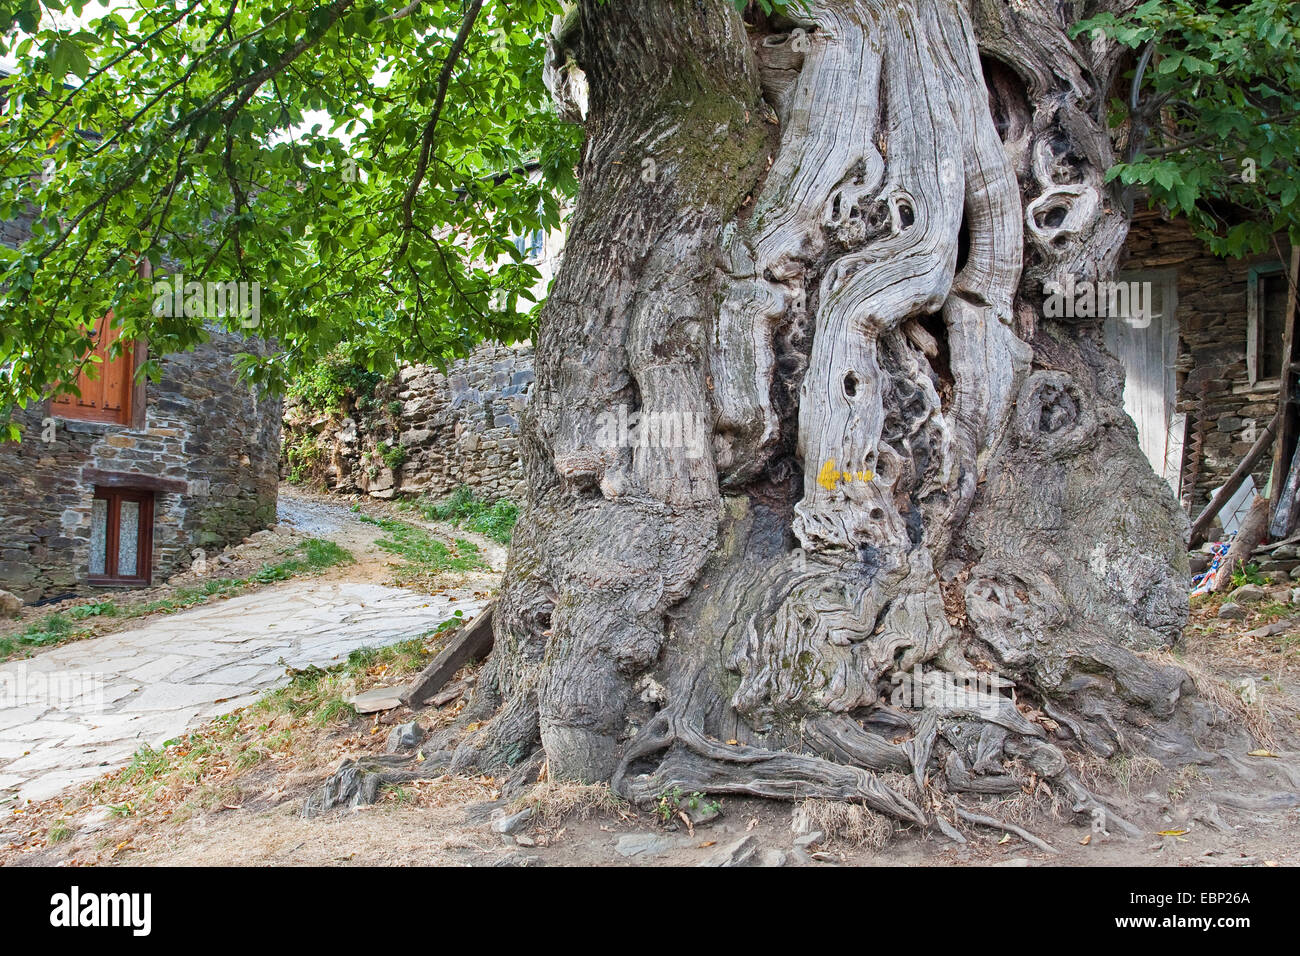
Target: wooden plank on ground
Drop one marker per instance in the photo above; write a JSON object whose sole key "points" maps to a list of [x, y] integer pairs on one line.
{"points": [[472, 643], [1254, 528]]}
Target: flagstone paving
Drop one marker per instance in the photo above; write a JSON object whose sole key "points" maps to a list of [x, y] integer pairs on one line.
{"points": [[75, 712]]}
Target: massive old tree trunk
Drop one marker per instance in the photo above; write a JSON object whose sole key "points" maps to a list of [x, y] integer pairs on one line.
{"points": [[820, 504]]}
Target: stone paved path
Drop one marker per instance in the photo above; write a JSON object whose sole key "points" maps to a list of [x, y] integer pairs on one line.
{"points": [[74, 713]]}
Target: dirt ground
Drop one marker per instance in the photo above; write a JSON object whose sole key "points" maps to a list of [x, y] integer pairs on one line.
{"points": [[447, 823], [1240, 810]]}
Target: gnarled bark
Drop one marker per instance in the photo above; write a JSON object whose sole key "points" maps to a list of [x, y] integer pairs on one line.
{"points": [[825, 239]]}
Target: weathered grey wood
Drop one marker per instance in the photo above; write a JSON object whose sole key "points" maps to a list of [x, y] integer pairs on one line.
{"points": [[1286, 393], [448, 694], [472, 643], [1254, 527], [1284, 514], [1229, 488], [1149, 354]]}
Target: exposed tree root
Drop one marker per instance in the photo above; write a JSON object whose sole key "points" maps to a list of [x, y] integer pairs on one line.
{"points": [[358, 782], [997, 824], [694, 762]]}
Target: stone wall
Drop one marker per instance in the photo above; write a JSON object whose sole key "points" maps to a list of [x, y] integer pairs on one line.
{"points": [[15, 231], [1225, 412], [423, 432], [208, 450]]}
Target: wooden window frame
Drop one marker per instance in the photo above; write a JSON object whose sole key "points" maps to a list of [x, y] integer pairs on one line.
{"points": [[1253, 305], [144, 537], [132, 414]]}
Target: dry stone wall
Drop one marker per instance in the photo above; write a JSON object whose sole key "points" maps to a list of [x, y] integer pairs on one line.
{"points": [[424, 432]]}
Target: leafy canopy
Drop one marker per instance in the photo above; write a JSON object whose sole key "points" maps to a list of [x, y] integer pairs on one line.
{"points": [[366, 164], [1216, 114]]}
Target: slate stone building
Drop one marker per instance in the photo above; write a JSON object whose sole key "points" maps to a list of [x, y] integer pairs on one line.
{"points": [[1203, 371], [119, 486]]}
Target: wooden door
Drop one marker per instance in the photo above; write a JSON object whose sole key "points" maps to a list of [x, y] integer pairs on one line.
{"points": [[1149, 354]]}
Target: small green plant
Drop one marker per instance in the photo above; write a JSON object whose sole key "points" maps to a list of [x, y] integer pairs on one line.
{"points": [[326, 386], [54, 628], [676, 800], [1247, 574], [393, 455], [465, 509], [49, 630], [305, 458], [59, 831], [400, 793], [452, 621], [95, 609]]}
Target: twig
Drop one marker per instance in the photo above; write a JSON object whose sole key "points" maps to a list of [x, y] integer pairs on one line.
{"points": [[1009, 827]]}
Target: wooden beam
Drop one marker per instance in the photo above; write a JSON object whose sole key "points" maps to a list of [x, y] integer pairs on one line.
{"points": [[1203, 520], [126, 479], [1253, 530], [1285, 508], [1284, 517], [473, 642]]}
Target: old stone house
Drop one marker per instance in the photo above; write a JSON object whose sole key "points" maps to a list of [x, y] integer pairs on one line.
{"points": [[1203, 369], [119, 486]]}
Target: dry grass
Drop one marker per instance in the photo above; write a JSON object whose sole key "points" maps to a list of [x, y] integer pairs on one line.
{"points": [[846, 823], [1132, 770], [448, 790], [1028, 807], [1188, 777], [554, 802], [1122, 771], [1261, 717]]}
